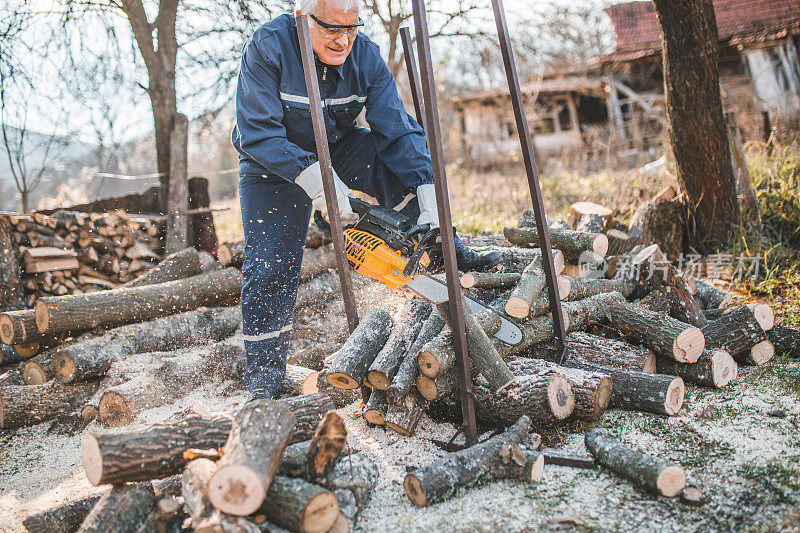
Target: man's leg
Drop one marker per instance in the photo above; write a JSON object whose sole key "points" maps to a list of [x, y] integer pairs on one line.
{"points": [[275, 216]]}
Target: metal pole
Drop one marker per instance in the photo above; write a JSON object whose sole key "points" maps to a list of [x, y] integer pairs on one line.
{"points": [[448, 245], [533, 176], [324, 156], [413, 74]]}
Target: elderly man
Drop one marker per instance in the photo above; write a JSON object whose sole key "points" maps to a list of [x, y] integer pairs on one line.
{"points": [[280, 179]]}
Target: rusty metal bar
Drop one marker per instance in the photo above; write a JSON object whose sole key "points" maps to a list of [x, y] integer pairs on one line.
{"points": [[324, 156], [562, 459], [533, 177], [413, 74], [434, 135]]}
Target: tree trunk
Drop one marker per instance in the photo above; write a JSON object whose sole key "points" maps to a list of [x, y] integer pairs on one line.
{"points": [[349, 368], [508, 455], [123, 508], [202, 233], [65, 518], [12, 295], [407, 372], [300, 506], [694, 114], [136, 304], [714, 369], [178, 265], [644, 470], [91, 358], [259, 435], [405, 330], [178, 200], [27, 405]]}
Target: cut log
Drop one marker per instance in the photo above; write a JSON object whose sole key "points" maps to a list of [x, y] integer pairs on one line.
{"points": [[18, 327], [178, 265], [580, 288], [259, 435], [437, 387], [406, 328], [483, 356], [714, 369], [325, 447], [531, 283], [578, 210], [637, 391], [712, 297], [592, 390], [404, 417], [66, 518], [26, 405], [660, 220], [308, 410], [299, 380], [314, 356], [12, 295], [408, 370], [602, 351], [8, 356], [545, 399], [91, 358], [644, 470], [375, 408], [149, 452], [508, 455], [739, 333], [591, 223], [205, 518], [339, 397], [764, 315], [581, 314], [349, 368], [571, 243], [352, 481], [664, 335], [38, 370], [619, 242], [786, 341], [300, 506], [490, 280], [231, 254], [123, 508], [136, 304]]}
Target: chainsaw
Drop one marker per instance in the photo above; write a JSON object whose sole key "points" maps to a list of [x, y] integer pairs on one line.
{"points": [[385, 246]]}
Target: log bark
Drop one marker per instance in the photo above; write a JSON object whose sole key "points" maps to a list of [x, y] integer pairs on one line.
{"points": [[18, 327], [12, 295], [694, 105], [644, 470], [786, 341], [739, 333], [375, 408], [404, 417], [531, 283], [637, 391], [136, 304], [591, 223], [91, 358], [490, 280], [545, 399], [514, 259], [26, 405], [178, 265], [711, 296], [65, 518], [8, 356], [299, 380], [580, 288], [123, 508], [259, 435], [150, 452], [571, 243], [406, 328], [325, 447], [602, 351], [349, 368], [407, 372], [483, 356], [202, 232], [592, 390], [205, 518], [308, 410], [300, 506], [339, 397], [352, 481], [714, 369], [664, 335], [505, 456]]}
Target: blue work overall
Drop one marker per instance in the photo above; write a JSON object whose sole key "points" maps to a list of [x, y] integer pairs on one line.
{"points": [[275, 140]]}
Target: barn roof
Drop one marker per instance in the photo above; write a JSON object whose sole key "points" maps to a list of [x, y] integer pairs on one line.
{"points": [[738, 22], [550, 87]]}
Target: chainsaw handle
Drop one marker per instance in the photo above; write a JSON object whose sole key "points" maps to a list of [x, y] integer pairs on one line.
{"points": [[417, 230], [425, 243]]}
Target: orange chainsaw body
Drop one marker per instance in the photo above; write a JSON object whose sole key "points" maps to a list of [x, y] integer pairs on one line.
{"points": [[372, 257]]}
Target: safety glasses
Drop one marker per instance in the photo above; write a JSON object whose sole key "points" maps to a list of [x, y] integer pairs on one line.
{"points": [[334, 31]]}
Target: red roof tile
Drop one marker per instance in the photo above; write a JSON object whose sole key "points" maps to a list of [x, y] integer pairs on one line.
{"points": [[743, 20]]}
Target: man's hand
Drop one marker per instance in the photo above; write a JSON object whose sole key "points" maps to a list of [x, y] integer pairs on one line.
{"points": [[311, 181], [426, 196]]}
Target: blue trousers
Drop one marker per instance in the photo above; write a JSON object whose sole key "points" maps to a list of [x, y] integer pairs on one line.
{"points": [[275, 215]]}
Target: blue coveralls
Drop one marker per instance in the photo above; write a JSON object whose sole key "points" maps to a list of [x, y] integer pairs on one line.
{"points": [[275, 140]]}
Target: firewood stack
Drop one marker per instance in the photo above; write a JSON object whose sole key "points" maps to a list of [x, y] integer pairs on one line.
{"points": [[70, 252]]}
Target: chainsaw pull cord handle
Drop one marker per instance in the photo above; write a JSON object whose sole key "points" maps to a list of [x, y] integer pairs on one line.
{"points": [[426, 242]]}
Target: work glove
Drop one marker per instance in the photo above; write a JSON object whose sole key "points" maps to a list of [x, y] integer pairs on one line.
{"points": [[428, 214], [311, 181]]}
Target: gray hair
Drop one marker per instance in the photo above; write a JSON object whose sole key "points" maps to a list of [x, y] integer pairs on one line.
{"points": [[309, 6]]}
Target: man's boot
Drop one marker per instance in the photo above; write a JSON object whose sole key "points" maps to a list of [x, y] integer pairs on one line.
{"points": [[469, 260]]}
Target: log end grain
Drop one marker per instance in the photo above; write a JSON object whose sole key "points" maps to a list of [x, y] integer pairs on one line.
{"points": [[559, 263], [375, 416], [723, 368], [605, 390], [560, 396], [378, 380], [310, 384], [114, 410], [649, 364], [468, 280], [6, 330], [63, 366], [693, 496], [33, 373], [564, 286], [42, 314], [600, 245], [671, 481], [518, 307], [537, 469], [428, 364], [414, 491], [689, 345], [343, 381], [236, 489], [676, 392], [764, 315], [427, 387], [27, 350], [762, 352], [92, 459], [321, 513]]}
